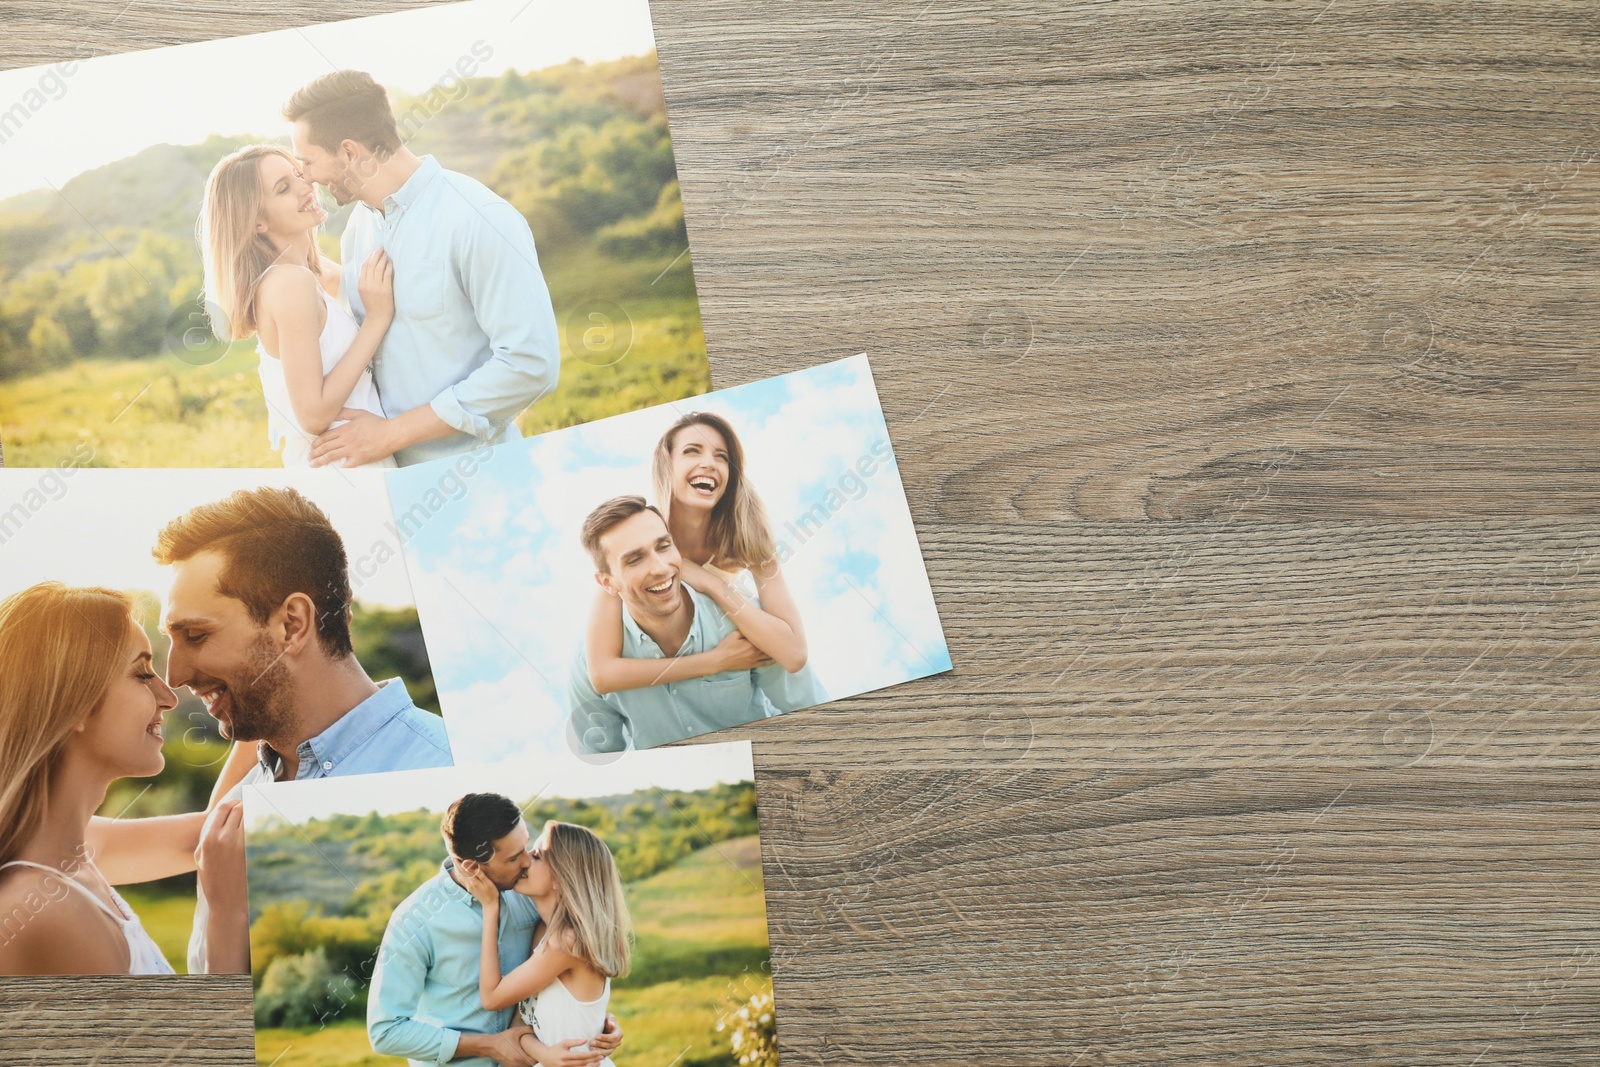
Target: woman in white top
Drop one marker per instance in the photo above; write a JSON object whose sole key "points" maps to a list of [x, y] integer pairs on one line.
{"points": [[258, 235], [717, 521], [580, 944], [81, 707]]}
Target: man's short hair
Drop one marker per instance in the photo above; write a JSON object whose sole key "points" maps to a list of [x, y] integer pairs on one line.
{"points": [[473, 823], [617, 509], [345, 105], [274, 543]]}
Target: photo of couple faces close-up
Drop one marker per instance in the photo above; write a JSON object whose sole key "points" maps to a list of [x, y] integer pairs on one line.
{"points": [[291, 674]]}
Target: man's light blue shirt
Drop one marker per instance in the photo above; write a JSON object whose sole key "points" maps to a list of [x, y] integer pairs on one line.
{"points": [[424, 993], [655, 715], [385, 732], [474, 334]]}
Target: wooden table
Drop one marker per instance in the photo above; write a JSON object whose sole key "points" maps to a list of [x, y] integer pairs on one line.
{"points": [[1239, 362]]}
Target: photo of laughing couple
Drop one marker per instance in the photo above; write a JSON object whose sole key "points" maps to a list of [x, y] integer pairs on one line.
{"points": [[666, 573], [109, 778], [674, 647]]}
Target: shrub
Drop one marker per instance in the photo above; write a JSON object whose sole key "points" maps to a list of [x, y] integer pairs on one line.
{"points": [[303, 991]]}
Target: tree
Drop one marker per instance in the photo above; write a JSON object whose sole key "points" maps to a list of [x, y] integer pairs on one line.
{"points": [[388, 643], [304, 990]]}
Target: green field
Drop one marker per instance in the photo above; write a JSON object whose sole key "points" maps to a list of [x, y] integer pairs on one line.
{"points": [[161, 412], [702, 950]]}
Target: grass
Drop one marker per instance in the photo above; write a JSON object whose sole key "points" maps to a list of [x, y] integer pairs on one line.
{"points": [[162, 412], [675, 1022], [705, 914], [703, 921], [340, 1044], [155, 412], [168, 919], [660, 1023]]}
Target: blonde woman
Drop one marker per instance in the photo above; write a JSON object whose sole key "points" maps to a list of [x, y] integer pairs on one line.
{"points": [[720, 528], [580, 943], [82, 706], [258, 235]]}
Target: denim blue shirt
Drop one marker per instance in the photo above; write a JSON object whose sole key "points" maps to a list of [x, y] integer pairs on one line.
{"points": [[424, 993], [655, 715], [385, 732], [474, 334]]}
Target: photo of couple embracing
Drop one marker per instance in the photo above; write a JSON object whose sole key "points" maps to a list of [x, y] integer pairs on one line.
{"points": [[531, 985], [401, 238], [289, 679], [531, 911], [674, 646], [450, 332]]}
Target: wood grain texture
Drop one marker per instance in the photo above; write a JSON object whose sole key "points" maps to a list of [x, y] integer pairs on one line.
{"points": [[1239, 363]]}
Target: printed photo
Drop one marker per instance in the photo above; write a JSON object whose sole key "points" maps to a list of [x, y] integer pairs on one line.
{"points": [[364, 243], [543, 911], [669, 572], [169, 636]]}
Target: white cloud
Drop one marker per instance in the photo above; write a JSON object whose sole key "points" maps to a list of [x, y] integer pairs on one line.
{"points": [[509, 717]]}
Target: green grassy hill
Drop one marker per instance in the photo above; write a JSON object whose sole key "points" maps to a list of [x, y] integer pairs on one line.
{"points": [[701, 950]]}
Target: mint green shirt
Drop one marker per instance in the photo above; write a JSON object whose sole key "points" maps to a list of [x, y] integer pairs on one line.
{"points": [[655, 715], [424, 992]]}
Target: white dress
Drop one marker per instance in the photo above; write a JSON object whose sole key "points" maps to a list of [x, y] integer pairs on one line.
{"points": [[144, 956], [283, 429], [556, 1015]]}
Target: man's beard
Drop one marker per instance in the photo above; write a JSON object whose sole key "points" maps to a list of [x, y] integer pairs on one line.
{"points": [[340, 189], [263, 704]]}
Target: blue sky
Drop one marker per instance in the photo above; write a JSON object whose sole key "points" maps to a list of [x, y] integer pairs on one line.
{"points": [[504, 588]]}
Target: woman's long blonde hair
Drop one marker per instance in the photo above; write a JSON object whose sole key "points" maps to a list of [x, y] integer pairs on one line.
{"points": [[740, 535], [590, 913], [60, 648], [235, 255]]}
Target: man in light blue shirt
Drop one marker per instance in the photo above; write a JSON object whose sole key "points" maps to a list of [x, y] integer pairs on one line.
{"points": [[474, 339], [424, 1003], [259, 618], [636, 560]]}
